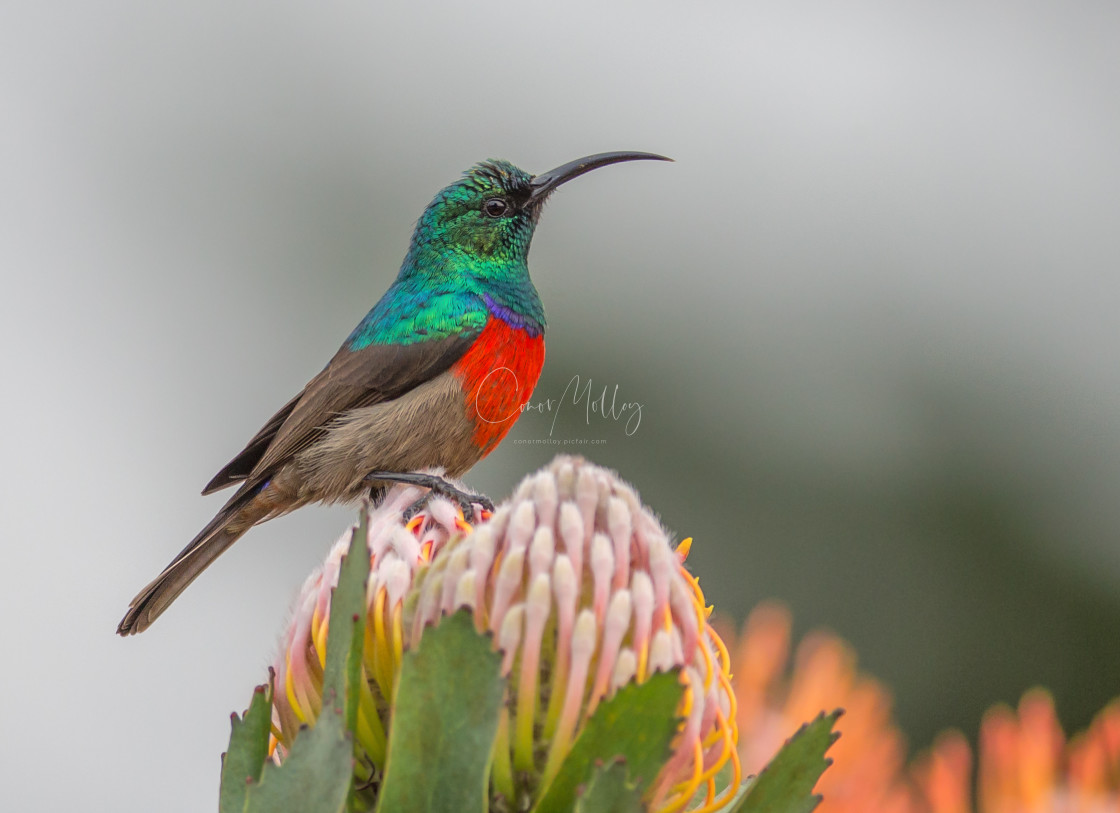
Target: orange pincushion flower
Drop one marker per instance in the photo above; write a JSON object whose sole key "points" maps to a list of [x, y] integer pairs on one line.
{"points": [[868, 759], [1025, 763]]}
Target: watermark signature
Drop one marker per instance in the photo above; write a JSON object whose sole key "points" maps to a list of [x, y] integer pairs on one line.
{"points": [[559, 441], [604, 404]]}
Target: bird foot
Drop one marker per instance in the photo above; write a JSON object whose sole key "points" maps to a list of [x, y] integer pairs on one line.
{"points": [[437, 486]]}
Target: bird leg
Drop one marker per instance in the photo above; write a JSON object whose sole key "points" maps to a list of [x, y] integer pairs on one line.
{"points": [[435, 485]]}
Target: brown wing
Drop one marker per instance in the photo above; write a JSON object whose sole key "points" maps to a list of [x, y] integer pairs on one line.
{"points": [[353, 379], [239, 468]]}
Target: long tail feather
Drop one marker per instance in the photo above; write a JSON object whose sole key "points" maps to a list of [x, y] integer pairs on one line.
{"points": [[235, 518]]}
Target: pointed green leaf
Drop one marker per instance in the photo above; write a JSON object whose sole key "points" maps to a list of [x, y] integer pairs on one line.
{"points": [[248, 749], [444, 721], [785, 785], [318, 772], [611, 791], [637, 724], [346, 629]]}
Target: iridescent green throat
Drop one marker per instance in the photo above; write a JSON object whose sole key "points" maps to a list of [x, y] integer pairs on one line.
{"points": [[464, 264]]}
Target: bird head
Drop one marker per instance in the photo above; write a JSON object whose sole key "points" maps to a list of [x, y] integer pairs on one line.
{"points": [[489, 214]]}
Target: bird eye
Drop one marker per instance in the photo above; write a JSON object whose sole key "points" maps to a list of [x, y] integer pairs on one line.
{"points": [[495, 207]]}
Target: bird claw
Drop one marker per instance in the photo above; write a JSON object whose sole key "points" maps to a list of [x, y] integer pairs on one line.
{"points": [[436, 486], [465, 501]]}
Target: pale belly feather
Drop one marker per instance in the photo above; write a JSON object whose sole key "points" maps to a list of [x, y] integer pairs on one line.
{"points": [[426, 427]]}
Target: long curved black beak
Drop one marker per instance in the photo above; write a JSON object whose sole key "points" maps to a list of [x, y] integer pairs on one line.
{"points": [[546, 182]]}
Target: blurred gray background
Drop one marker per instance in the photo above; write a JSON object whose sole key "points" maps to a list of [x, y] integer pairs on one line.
{"points": [[870, 315]]}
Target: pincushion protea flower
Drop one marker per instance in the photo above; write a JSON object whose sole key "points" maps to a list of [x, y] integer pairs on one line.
{"points": [[583, 594]]}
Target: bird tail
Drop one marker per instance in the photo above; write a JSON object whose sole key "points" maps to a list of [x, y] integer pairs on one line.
{"points": [[237, 516]]}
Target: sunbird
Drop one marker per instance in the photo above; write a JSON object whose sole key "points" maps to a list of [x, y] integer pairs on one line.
{"points": [[433, 377]]}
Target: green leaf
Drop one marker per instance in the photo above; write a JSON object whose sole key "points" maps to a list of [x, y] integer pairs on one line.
{"points": [[346, 630], [637, 725], [785, 785], [444, 721], [248, 749], [611, 791], [318, 772]]}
